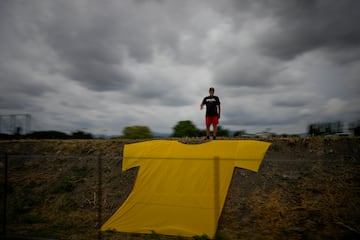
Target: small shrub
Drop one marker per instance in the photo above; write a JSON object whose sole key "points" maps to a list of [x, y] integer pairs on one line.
{"points": [[153, 235], [68, 185], [202, 237], [221, 236]]}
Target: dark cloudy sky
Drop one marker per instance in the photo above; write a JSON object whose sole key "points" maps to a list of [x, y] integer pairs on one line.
{"points": [[100, 66]]}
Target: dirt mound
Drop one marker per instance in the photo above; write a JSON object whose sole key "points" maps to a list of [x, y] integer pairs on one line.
{"points": [[305, 189]]}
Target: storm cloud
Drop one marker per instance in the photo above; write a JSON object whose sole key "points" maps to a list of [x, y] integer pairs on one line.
{"points": [[105, 65]]}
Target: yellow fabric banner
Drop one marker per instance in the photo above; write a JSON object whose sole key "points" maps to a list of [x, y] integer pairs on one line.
{"points": [[181, 188]]}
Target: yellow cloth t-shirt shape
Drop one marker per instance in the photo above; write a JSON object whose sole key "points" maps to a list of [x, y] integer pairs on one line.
{"points": [[181, 188]]}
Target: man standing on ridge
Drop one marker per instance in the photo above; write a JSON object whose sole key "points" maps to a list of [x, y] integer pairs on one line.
{"points": [[212, 112]]}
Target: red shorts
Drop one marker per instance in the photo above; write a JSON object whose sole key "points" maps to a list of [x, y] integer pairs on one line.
{"points": [[214, 120]]}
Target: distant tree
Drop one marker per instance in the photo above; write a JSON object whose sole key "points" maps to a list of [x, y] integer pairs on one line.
{"points": [[354, 127], [5, 136], [185, 129], [48, 135], [137, 132], [81, 135], [221, 132], [239, 133]]}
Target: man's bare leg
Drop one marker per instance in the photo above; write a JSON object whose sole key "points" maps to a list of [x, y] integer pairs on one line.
{"points": [[207, 131], [215, 130]]}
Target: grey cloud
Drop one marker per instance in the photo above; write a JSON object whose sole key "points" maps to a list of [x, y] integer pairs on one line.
{"points": [[11, 84], [149, 58], [11, 103], [290, 102], [307, 25], [261, 118], [67, 103], [99, 77], [86, 48], [246, 71], [19, 102], [94, 46], [16, 80], [157, 91]]}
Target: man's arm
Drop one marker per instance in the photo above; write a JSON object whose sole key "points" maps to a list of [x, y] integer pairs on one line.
{"points": [[202, 104]]}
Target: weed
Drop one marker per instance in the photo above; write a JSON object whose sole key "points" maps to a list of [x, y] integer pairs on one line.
{"points": [[221, 236], [108, 233], [21, 206], [31, 219], [68, 185], [202, 237], [153, 235]]}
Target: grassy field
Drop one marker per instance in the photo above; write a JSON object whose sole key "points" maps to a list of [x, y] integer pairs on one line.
{"points": [[306, 188]]}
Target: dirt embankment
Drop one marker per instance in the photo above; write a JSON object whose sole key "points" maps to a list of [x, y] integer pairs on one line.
{"points": [[305, 189]]}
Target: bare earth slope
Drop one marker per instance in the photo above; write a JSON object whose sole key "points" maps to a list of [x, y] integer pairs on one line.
{"points": [[305, 189]]}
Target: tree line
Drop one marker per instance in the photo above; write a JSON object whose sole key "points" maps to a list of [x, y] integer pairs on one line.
{"points": [[47, 135], [185, 129]]}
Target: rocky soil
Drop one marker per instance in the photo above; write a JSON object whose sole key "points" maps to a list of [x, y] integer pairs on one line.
{"points": [[306, 188]]}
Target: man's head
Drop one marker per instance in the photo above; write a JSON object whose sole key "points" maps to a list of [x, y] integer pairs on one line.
{"points": [[211, 91]]}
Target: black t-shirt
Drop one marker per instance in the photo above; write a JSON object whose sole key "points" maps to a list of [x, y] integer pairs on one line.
{"points": [[211, 105]]}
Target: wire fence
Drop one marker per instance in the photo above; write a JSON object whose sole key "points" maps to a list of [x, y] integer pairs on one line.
{"points": [[33, 184], [69, 196]]}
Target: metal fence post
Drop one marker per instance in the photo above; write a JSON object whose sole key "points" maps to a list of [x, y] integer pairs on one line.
{"points": [[99, 194], [5, 194]]}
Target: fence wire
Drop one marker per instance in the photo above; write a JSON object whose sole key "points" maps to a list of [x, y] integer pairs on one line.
{"points": [[26, 197], [24, 177]]}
